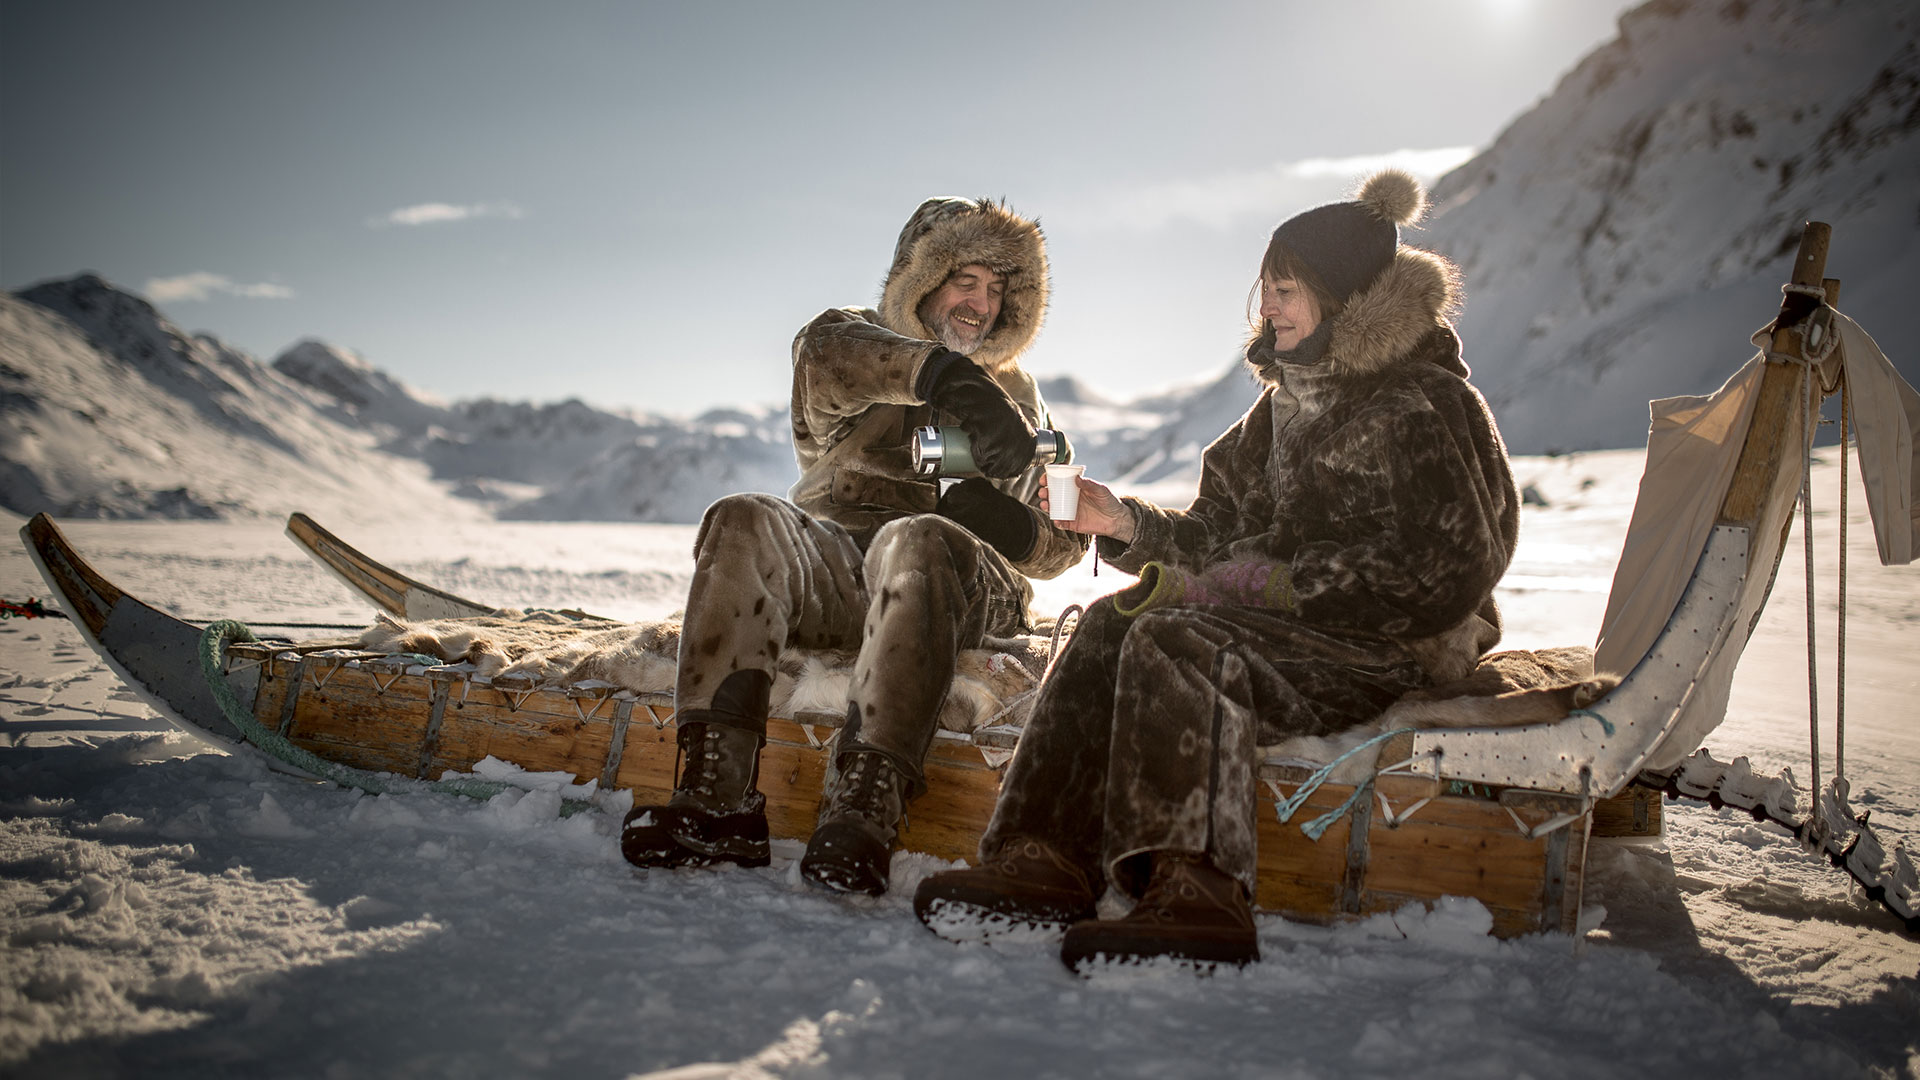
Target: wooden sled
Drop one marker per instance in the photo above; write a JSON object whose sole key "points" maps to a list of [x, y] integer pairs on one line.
{"points": [[394, 714], [1500, 814]]}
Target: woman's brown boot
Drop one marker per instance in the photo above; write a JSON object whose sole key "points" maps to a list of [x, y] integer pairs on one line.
{"points": [[1189, 911], [1026, 886]]}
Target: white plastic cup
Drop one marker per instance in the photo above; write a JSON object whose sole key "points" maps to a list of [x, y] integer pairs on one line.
{"points": [[1063, 491]]}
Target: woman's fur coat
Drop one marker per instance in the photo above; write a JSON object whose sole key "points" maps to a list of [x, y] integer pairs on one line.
{"points": [[1369, 496]]}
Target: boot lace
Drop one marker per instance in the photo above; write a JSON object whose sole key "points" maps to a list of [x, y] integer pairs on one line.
{"points": [[868, 787], [706, 757]]}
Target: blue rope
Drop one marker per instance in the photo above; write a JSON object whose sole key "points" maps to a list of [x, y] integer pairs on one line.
{"points": [[1325, 821], [213, 650], [1288, 806]]}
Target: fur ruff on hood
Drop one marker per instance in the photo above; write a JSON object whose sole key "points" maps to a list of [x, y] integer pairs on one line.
{"points": [[1381, 326], [948, 233]]}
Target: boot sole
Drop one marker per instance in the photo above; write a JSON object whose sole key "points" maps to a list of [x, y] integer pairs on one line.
{"points": [[1083, 951], [966, 923], [751, 849], [645, 843], [966, 911], [655, 846], [844, 859]]}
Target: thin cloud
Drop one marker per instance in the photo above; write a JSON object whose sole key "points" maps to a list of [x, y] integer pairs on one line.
{"points": [[201, 285], [1263, 194], [1425, 164], [435, 213]]}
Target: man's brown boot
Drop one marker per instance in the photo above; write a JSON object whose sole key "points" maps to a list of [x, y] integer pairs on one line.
{"points": [[1190, 911], [1024, 887]]}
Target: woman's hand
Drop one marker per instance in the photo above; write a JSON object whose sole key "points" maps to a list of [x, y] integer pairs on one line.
{"points": [[1101, 513]]}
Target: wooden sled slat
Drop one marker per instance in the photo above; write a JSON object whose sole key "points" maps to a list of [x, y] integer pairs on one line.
{"points": [[421, 726], [1454, 845]]}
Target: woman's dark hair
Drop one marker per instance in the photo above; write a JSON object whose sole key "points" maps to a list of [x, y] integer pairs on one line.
{"points": [[1281, 264]]}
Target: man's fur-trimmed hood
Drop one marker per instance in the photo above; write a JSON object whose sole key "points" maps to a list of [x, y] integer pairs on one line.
{"points": [[1380, 328], [947, 233]]}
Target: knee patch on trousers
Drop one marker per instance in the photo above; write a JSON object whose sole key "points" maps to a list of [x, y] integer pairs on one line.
{"points": [[741, 701]]}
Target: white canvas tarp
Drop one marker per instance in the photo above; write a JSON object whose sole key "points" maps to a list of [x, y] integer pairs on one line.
{"points": [[1886, 420], [1693, 445]]}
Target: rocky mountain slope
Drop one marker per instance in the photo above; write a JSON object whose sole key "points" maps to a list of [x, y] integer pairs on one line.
{"points": [[1622, 239], [110, 411]]}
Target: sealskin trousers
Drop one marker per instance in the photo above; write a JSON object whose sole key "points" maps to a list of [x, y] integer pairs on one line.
{"points": [[767, 575], [1145, 737]]}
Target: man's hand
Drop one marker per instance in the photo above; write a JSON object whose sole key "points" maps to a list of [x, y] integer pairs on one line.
{"points": [[1004, 522], [1002, 438], [1101, 513]]}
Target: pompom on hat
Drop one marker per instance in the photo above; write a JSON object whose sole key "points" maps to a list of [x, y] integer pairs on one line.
{"points": [[1350, 244]]}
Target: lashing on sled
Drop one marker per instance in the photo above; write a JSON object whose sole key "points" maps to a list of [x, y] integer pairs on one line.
{"points": [[1488, 788]]}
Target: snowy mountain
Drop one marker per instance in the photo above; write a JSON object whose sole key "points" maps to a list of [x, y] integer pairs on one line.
{"points": [[1157, 438], [1622, 239], [670, 470], [361, 393], [113, 411]]}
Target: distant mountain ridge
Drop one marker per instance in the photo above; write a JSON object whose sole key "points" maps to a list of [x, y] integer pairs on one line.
{"points": [[112, 411], [107, 410]]}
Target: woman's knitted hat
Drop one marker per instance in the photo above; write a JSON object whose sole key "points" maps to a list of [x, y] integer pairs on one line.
{"points": [[1349, 244]]}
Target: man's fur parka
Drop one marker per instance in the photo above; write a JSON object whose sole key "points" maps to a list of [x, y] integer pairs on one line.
{"points": [[854, 372]]}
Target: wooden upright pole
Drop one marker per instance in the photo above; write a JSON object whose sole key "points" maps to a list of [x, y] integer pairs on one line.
{"points": [[1778, 406]]}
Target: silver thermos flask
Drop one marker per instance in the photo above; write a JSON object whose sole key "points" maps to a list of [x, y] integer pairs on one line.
{"points": [[946, 451]]}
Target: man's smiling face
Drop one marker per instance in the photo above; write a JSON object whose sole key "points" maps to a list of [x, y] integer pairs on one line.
{"points": [[963, 310]]}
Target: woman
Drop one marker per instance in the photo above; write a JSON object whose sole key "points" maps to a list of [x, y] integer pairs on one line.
{"points": [[1343, 550]]}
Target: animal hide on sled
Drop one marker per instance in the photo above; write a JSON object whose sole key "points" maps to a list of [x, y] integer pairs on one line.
{"points": [[1506, 689], [991, 685], [994, 685]]}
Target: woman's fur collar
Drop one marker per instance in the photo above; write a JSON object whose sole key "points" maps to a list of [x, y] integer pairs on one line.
{"points": [[1383, 322], [953, 233]]}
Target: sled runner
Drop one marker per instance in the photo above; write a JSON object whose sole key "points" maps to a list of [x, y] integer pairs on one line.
{"points": [[1404, 812], [395, 593]]}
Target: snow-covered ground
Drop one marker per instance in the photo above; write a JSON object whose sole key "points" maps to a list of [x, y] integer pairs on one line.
{"points": [[171, 911]]}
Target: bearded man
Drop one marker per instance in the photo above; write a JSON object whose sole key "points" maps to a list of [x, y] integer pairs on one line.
{"points": [[868, 553]]}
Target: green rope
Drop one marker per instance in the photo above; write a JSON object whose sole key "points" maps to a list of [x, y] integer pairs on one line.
{"points": [[213, 650], [1606, 725]]}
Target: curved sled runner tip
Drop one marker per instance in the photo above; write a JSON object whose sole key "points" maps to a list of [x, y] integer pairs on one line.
{"points": [[392, 591], [152, 652]]}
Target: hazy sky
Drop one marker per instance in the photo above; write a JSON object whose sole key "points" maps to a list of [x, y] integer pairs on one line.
{"points": [[639, 203]]}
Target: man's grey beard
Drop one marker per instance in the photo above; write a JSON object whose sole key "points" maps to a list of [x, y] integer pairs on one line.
{"points": [[950, 334]]}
